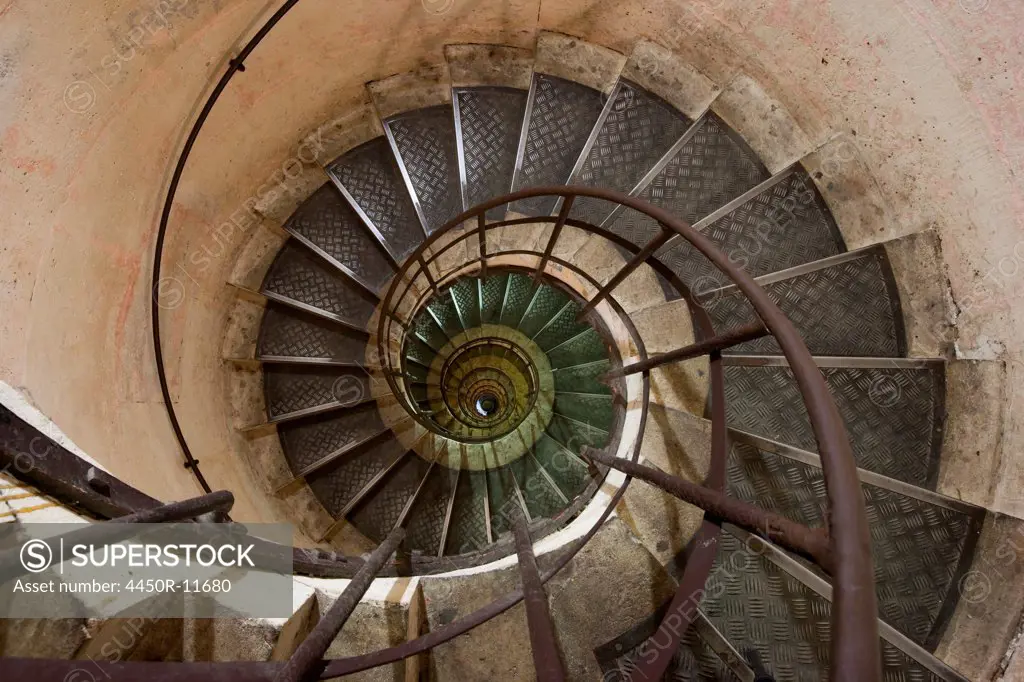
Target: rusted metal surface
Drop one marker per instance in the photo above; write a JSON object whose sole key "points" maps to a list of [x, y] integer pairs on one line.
{"points": [[307, 662], [547, 661], [754, 330]]}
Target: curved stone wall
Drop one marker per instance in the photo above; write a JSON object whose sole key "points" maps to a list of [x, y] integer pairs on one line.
{"points": [[95, 99]]}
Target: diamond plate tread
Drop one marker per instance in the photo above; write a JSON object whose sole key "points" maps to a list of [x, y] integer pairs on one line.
{"points": [[785, 226], [568, 472], [301, 276], [465, 293], [562, 327], [292, 388], [562, 116], [426, 518], [370, 174], [579, 350], [516, 298], [547, 302], [412, 370], [427, 335], [288, 332], [468, 530], [714, 167], [326, 219], [574, 435], [758, 605], [425, 139], [444, 310], [846, 309], [892, 415], [492, 297], [694, 661], [597, 410], [376, 517], [504, 501], [338, 484], [309, 440], [541, 499], [916, 545], [491, 122], [640, 129], [583, 378]]}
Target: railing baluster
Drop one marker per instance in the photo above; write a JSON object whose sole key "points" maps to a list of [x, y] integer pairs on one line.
{"points": [[627, 269], [546, 658], [481, 223], [563, 215], [754, 330], [307, 662], [426, 272], [809, 542]]}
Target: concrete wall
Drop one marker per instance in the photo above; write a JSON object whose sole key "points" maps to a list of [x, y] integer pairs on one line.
{"points": [[96, 95]]}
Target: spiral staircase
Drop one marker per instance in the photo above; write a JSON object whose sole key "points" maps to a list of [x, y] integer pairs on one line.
{"points": [[460, 380]]}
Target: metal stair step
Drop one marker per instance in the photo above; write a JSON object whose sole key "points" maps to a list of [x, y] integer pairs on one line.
{"points": [[468, 530], [636, 129], [489, 120], [327, 221], [894, 412], [782, 227], [292, 390], [377, 516], [547, 302], [711, 169], [755, 600], [917, 546], [518, 294], [846, 305], [560, 115], [289, 333], [371, 181], [299, 277], [424, 142]]}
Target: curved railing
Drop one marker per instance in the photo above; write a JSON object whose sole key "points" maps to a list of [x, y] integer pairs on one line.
{"points": [[844, 551]]}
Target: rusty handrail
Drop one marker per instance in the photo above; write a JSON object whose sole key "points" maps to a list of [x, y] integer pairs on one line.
{"points": [[857, 634], [855, 644]]}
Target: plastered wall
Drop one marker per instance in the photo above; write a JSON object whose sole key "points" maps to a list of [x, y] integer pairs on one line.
{"points": [[96, 96]]}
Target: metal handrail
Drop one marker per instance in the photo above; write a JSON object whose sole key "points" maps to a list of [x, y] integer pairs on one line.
{"points": [[847, 551], [855, 646]]}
